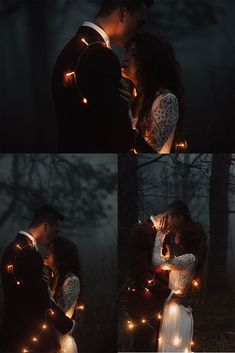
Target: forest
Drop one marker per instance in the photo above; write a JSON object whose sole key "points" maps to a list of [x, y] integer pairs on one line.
{"points": [[206, 183]]}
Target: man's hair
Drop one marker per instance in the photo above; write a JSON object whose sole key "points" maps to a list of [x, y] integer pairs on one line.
{"points": [[46, 214], [109, 6]]}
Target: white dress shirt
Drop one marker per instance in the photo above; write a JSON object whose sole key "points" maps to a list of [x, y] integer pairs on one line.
{"points": [[100, 31], [30, 237]]}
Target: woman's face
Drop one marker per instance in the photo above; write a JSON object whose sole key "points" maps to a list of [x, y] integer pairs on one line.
{"points": [[129, 64], [50, 257]]}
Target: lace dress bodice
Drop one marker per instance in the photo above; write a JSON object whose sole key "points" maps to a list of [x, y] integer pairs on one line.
{"points": [[163, 120], [181, 268], [70, 292]]}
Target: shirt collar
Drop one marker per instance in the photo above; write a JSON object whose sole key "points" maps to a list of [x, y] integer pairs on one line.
{"points": [[30, 237], [100, 31]]}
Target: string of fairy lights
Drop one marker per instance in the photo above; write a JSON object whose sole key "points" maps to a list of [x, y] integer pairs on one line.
{"points": [[44, 326], [132, 325]]}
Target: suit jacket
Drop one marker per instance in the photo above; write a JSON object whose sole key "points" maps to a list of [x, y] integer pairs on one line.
{"points": [[140, 248], [103, 124], [26, 302]]}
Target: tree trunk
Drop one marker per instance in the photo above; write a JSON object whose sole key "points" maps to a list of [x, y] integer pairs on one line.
{"points": [[127, 203], [219, 213]]}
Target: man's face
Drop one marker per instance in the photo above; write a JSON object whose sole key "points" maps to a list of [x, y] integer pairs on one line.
{"points": [[130, 25], [49, 233]]}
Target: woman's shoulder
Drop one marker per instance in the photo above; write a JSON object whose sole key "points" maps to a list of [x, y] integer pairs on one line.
{"points": [[71, 280], [165, 97], [189, 258]]}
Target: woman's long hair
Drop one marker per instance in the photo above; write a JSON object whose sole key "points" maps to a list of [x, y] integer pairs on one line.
{"points": [[67, 262], [158, 71]]}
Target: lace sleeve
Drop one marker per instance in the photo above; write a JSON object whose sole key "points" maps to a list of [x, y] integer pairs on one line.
{"points": [[71, 289], [186, 261], [164, 117]]}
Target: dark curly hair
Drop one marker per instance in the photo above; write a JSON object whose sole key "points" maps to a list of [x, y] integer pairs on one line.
{"points": [[67, 262], [108, 6], [194, 241], [158, 71]]}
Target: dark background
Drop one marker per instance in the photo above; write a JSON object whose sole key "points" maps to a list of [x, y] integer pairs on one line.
{"points": [[206, 183], [83, 188], [33, 33]]}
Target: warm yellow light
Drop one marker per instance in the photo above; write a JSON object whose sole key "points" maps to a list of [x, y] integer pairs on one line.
{"points": [[147, 290], [159, 316], [130, 325], [84, 101], [51, 312], [10, 268], [25, 350], [83, 40], [195, 283], [178, 291], [80, 307], [173, 308], [182, 145], [44, 326], [192, 343], [18, 246], [159, 339], [72, 73], [176, 341], [35, 339], [133, 289], [134, 92], [143, 321], [18, 283]]}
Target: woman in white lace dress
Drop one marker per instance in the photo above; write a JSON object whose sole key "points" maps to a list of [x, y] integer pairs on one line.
{"points": [[158, 109], [63, 259], [176, 330]]}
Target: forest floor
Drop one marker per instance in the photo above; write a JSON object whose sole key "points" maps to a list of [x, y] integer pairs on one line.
{"points": [[214, 324]]}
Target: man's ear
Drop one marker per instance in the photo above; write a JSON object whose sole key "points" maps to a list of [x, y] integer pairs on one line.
{"points": [[123, 14]]}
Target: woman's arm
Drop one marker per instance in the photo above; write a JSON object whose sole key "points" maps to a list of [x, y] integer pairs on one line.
{"points": [[164, 117], [180, 262]]}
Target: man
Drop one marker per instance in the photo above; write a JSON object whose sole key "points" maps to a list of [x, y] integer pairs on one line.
{"points": [[92, 115], [30, 316]]}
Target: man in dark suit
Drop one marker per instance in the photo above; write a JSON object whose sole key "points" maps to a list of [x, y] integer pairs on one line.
{"points": [[91, 112], [30, 316], [148, 286]]}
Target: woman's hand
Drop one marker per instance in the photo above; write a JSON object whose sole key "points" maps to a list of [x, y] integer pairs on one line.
{"points": [[161, 221]]}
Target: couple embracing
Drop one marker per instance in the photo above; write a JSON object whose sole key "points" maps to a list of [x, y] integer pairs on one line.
{"points": [[167, 254], [41, 296], [105, 105]]}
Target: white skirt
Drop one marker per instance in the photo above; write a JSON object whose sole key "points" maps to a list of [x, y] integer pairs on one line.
{"points": [[176, 331], [67, 344]]}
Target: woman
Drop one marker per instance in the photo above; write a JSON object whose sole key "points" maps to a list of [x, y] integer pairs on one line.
{"points": [[62, 257], [158, 106], [176, 330]]}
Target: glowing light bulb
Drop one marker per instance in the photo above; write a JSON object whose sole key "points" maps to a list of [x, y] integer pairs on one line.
{"points": [[159, 316], [18, 246], [130, 325], [192, 343], [176, 341], [147, 290], [195, 283], [133, 290], [143, 321], [18, 283], [139, 221], [10, 268], [25, 350], [84, 101], [83, 40], [34, 339], [173, 308], [80, 307], [51, 312], [44, 326], [72, 73], [135, 92]]}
